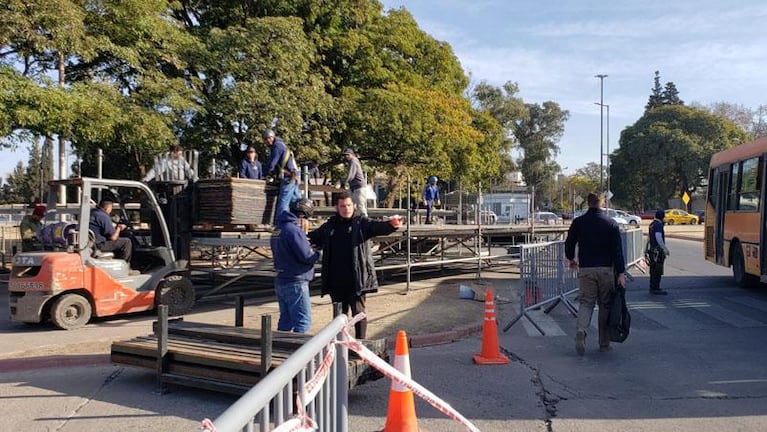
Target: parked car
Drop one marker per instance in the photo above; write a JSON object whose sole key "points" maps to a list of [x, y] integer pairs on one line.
{"points": [[679, 216], [616, 216], [546, 218], [647, 215], [701, 215], [632, 219]]}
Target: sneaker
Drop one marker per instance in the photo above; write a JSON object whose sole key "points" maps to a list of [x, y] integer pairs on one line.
{"points": [[658, 292], [580, 342]]}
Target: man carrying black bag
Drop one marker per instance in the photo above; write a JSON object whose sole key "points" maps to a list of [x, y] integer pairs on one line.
{"points": [[600, 260]]}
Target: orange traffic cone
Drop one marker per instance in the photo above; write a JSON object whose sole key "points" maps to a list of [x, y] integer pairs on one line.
{"points": [[400, 416], [491, 354]]}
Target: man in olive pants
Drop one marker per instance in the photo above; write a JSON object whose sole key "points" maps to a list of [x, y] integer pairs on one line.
{"points": [[600, 259]]}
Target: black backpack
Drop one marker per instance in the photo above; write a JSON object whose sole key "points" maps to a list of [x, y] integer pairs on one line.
{"points": [[619, 321]]}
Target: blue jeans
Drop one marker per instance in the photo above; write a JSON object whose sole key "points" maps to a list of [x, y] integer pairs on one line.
{"points": [[288, 193], [295, 307]]}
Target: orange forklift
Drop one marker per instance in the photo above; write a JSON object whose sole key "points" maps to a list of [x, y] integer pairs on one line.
{"points": [[69, 281]]}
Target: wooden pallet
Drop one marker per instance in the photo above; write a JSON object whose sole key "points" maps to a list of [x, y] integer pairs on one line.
{"points": [[223, 358]]}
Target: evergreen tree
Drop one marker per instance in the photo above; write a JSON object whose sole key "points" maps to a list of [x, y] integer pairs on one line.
{"points": [[671, 95], [656, 97]]}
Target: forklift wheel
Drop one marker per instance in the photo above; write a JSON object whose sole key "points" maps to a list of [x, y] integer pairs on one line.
{"points": [[70, 311], [177, 293]]}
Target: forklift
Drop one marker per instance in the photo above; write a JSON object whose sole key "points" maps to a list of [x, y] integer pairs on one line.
{"points": [[69, 281]]}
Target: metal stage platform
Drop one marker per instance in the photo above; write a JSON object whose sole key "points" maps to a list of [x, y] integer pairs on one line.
{"points": [[224, 260]]}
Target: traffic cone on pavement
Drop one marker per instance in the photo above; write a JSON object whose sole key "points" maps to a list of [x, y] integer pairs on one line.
{"points": [[400, 416], [491, 354]]}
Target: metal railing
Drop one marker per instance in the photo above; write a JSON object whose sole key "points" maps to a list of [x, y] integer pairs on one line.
{"points": [[546, 280], [282, 394]]}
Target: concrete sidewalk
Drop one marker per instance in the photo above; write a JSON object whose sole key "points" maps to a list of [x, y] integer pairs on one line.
{"points": [[63, 381]]}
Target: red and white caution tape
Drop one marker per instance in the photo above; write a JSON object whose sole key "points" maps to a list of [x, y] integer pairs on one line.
{"points": [[303, 423]]}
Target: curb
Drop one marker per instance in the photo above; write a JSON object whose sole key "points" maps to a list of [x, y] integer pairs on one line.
{"points": [[50, 362]]}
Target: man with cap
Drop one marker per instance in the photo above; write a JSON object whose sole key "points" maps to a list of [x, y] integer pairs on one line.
{"points": [[171, 167], [294, 260], [355, 179], [29, 227], [250, 167], [431, 196], [282, 168], [600, 262], [656, 252]]}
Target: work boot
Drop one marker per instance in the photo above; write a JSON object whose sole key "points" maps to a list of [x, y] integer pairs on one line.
{"points": [[580, 342], [658, 291]]}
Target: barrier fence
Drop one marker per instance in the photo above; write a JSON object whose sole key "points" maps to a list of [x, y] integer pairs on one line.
{"points": [[546, 279]]}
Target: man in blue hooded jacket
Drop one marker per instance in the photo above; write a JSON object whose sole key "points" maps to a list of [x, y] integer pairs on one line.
{"points": [[281, 166], [294, 262]]}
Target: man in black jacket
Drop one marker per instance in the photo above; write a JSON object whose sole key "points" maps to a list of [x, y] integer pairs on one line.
{"points": [[348, 272], [600, 259]]}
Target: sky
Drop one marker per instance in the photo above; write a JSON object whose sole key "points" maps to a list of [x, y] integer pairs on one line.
{"points": [[713, 51]]}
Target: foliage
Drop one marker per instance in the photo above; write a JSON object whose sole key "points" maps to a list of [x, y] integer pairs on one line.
{"points": [[667, 95], [666, 152], [538, 133]]}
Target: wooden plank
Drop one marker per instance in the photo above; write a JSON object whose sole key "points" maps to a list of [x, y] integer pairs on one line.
{"points": [[204, 384]]}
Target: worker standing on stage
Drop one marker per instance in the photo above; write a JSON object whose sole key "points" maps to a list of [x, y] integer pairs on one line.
{"points": [[355, 179], [281, 167], [431, 196]]}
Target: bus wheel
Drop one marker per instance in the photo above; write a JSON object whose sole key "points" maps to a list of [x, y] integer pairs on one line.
{"points": [[70, 311], [742, 278]]}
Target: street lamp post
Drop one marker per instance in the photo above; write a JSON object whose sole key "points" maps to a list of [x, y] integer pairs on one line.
{"points": [[601, 129], [607, 154]]}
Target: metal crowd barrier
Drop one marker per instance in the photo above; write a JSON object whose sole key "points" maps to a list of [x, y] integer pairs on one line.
{"points": [[546, 279], [284, 389]]}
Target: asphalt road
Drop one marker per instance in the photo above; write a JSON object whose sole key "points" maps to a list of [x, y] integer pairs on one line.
{"points": [[693, 362]]}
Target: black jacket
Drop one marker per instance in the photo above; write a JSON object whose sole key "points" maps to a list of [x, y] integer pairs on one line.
{"points": [[599, 241], [362, 266]]}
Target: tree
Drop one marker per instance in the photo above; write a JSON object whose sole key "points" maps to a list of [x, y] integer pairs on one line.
{"points": [[671, 95], [656, 97], [508, 110], [666, 152], [538, 134]]}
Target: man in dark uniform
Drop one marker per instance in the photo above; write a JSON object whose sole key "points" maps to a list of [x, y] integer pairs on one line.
{"points": [[656, 252], [600, 261]]}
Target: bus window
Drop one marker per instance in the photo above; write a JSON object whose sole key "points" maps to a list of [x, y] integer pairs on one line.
{"points": [[732, 189], [750, 175]]}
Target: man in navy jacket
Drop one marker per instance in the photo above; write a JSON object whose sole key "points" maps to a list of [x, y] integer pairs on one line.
{"points": [[600, 261], [294, 262]]}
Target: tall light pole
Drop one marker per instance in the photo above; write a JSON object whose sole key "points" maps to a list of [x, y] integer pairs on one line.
{"points": [[601, 129], [607, 154]]}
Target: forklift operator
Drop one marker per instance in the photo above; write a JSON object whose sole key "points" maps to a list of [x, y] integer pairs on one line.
{"points": [[107, 234]]}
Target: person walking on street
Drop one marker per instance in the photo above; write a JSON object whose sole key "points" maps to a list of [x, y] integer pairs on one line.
{"points": [[29, 227], [171, 167], [355, 179], [348, 273], [600, 261], [282, 168], [431, 196], [294, 260], [657, 251], [250, 167]]}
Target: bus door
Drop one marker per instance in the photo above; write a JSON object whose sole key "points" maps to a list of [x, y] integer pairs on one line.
{"points": [[722, 179], [762, 215]]}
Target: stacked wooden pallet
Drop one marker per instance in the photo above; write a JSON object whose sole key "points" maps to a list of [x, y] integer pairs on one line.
{"points": [[235, 201], [224, 358]]}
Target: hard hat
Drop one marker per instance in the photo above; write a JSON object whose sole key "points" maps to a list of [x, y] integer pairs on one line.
{"points": [[302, 208], [267, 133], [348, 150], [433, 179]]}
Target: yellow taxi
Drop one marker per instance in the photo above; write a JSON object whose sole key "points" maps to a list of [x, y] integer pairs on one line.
{"points": [[679, 216]]}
